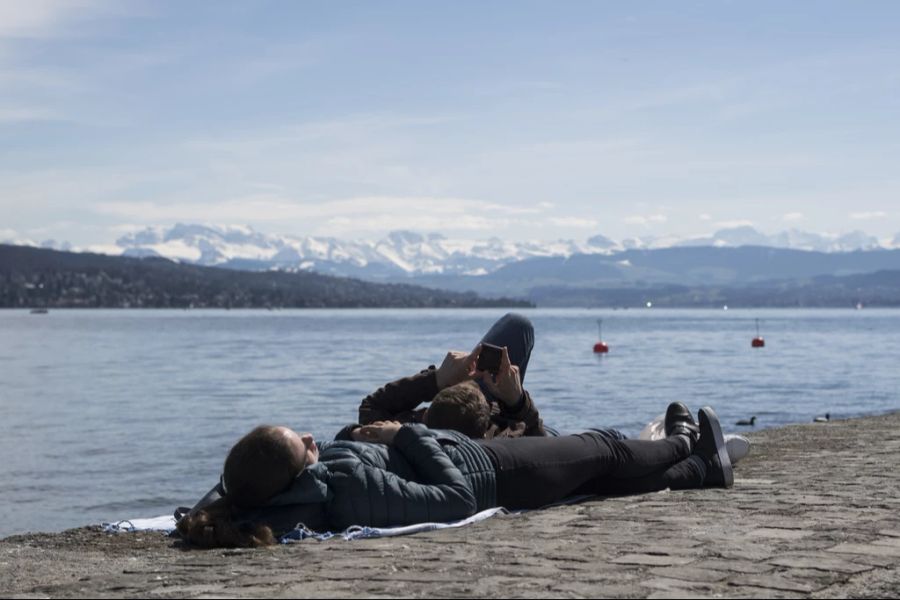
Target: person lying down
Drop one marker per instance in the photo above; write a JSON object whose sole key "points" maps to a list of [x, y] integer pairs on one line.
{"points": [[387, 474]]}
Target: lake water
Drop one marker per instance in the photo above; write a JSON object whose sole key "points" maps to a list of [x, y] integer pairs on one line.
{"points": [[112, 414]]}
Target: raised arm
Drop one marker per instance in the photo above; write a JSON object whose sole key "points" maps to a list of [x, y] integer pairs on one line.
{"points": [[398, 400]]}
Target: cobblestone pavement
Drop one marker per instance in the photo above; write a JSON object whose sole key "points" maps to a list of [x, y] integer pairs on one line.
{"points": [[815, 512]]}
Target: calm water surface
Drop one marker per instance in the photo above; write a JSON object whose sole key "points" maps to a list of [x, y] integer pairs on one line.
{"points": [[111, 414]]}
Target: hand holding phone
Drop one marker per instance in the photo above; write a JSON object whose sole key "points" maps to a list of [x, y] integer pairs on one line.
{"points": [[489, 358], [504, 383]]}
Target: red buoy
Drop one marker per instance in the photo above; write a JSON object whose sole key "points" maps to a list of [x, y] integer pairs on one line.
{"points": [[758, 341], [600, 347]]}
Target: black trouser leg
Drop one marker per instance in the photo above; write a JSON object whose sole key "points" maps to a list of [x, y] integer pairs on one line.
{"points": [[536, 471], [687, 474]]}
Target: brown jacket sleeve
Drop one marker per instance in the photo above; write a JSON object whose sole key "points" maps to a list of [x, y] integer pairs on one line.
{"points": [[399, 400], [517, 421]]}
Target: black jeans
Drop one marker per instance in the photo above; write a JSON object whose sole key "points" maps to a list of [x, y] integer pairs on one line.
{"points": [[537, 471]]}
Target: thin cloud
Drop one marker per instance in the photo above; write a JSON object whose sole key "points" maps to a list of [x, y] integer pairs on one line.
{"points": [[645, 219], [368, 213], [33, 18], [575, 222], [512, 210], [26, 115], [868, 216], [50, 18], [793, 216], [414, 222], [734, 223]]}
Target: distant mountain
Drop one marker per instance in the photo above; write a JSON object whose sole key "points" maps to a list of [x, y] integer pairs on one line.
{"points": [[879, 289], [793, 239], [407, 253], [401, 253], [34, 277], [688, 266], [496, 268]]}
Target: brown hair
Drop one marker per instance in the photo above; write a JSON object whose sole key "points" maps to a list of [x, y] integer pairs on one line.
{"points": [[259, 466], [462, 407]]}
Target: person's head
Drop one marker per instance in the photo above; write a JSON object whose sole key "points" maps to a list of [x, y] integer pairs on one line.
{"points": [[260, 465], [461, 407], [265, 462]]}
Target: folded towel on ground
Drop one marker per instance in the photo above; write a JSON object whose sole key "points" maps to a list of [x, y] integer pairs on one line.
{"points": [[166, 524], [358, 533]]}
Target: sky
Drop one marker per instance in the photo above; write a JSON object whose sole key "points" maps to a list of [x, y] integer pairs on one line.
{"points": [[521, 120]]}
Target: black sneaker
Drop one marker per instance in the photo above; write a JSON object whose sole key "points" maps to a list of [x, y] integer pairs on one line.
{"points": [[711, 448], [680, 421]]}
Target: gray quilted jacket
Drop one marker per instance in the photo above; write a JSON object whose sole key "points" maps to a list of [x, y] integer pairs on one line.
{"points": [[425, 476]]}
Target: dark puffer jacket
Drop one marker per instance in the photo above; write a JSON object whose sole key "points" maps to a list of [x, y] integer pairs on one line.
{"points": [[424, 476]]}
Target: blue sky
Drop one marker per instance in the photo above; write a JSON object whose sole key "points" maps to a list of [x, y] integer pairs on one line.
{"points": [[524, 120]]}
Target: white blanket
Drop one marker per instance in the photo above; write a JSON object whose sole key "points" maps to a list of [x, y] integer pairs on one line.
{"points": [[166, 524]]}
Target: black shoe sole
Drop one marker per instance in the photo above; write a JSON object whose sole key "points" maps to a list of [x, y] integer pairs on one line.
{"points": [[712, 423]]}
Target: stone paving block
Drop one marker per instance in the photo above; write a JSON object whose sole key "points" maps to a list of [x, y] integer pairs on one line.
{"points": [[780, 534], [666, 547], [890, 532], [654, 560], [873, 561], [750, 591], [888, 541], [689, 573], [775, 582], [822, 563], [735, 566], [677, 585], [746, 482], [577, 589], [872, 549], [677, 595], [825, 578], [835, 518], [813, 500], [742, 552], [782, 522]]}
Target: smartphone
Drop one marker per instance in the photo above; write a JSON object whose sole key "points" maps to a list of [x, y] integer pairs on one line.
{"points": [[489, 358]]}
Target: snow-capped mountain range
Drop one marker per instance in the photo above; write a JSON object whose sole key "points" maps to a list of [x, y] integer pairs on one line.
{"points": [[399, 252], [410, 253]]}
